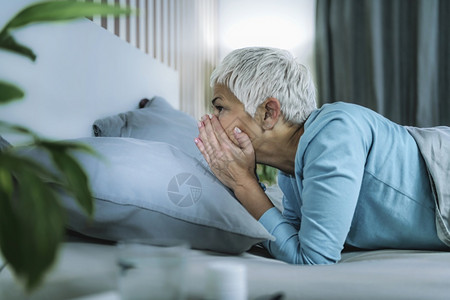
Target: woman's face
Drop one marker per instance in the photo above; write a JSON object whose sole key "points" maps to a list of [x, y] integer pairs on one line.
{"points": [[231, 113]]}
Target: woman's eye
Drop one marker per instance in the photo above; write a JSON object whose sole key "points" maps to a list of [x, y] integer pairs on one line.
{"points": [[218, 108]]}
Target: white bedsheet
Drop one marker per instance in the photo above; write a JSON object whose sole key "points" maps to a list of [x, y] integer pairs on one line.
{"points": [[87, 271]]}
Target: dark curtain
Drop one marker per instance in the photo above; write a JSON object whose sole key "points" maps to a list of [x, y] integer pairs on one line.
{"points": [[392, 56]]}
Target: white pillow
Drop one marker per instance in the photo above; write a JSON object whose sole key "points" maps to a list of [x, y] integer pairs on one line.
{"points": [[152, 189]]}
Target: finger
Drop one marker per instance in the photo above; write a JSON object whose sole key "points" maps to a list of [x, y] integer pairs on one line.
{"points": [[220, 132], [202, 149], [244, 141], [208, 137], [205, 139], [209, 133]]}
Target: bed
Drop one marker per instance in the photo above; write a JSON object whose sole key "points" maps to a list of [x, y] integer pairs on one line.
{"points": [[103, 83]]}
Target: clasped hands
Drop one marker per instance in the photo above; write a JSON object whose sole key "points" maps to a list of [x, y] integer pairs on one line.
{"points": [[233, 164]]}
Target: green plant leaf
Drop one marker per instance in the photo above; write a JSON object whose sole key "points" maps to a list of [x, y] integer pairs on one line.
{"points": [[9, 92], [50, 11], [31, 217], [6, 183], [23, 211], [266, 174], [68, 146], [76, 180], [8, 127], [11, 160], [7, 42], [8, 221], [60, 11], [68, 174]]}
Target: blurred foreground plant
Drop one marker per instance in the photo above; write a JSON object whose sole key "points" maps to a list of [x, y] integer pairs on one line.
{"points": [[32, 219], [266, 174]]}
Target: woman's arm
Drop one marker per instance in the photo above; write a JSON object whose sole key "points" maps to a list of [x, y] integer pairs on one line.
{"points": [[329, 170], [329, 183]]}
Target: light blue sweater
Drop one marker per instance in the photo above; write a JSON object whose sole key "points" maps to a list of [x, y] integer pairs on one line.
{"points": [[359, 181]]}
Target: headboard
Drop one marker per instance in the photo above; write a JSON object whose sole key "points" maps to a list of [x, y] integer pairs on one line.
{"points": [[82, 73]]}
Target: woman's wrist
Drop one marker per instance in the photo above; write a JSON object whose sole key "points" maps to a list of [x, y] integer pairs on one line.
{"points": [[253, 198], [244, 183]]}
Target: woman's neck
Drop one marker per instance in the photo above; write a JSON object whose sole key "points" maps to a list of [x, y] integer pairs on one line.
{"points": [[279, 147]]}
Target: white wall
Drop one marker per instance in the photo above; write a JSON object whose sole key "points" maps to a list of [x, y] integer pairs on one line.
{"points": [[82, 72], [287, 24], [197, 45]]}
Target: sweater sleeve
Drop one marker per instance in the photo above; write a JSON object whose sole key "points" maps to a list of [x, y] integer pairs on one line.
{"points": [[329, 168]]}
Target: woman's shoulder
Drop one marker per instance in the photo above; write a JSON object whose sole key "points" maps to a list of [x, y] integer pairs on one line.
{"points": [[337, 111], [339, 123], [347, 113], [344, 108]]}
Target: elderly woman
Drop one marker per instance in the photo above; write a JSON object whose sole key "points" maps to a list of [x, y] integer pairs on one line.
{"points": [[349, 176]]}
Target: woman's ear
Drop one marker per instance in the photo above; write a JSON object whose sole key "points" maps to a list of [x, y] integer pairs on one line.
{"points": [[272, 112]]}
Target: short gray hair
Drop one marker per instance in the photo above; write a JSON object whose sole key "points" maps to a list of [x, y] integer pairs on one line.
{"points": [[255, 74]]}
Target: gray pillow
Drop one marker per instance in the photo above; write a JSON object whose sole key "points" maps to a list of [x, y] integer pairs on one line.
{"points": [[152, 189], [157, 121]]}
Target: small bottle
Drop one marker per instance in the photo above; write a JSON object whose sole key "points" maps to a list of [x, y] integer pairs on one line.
{"points": [[226, 281]]}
